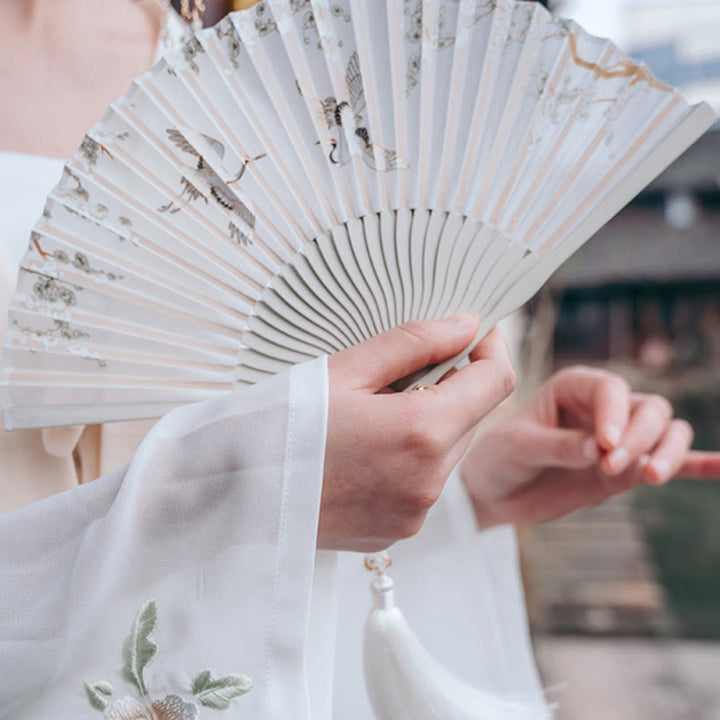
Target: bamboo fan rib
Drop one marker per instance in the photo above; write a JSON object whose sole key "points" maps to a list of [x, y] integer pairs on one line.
{"points": [[307, 174]]}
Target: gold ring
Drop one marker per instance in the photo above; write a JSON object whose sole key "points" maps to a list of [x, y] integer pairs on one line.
{"points": [[419, 387]]}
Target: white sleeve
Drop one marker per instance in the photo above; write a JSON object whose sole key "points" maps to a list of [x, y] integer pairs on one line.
{"points": [[154, 589]]}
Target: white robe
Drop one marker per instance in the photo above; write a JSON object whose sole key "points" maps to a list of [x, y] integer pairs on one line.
{"points": [[215, 521]]}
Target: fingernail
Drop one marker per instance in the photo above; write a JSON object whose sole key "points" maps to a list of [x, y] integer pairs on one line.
{"points": [[613, 434], [618, 460], [590, 450], [660, 471], [466, 320]]}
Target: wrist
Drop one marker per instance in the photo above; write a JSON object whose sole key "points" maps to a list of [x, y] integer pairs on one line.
{"points": [[484, 516]]}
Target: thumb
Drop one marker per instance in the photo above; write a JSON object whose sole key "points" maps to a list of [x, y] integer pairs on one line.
{"points": [[544, 447], [396, 353]]}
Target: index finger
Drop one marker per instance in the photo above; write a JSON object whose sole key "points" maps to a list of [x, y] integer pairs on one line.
{"points": [[396, 353], [701, 465], [603, 396], [469, 394]]}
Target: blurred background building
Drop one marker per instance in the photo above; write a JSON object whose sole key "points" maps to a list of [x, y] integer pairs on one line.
{"points": [[625, 597]]}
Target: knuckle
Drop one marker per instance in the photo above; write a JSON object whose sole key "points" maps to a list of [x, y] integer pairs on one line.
{"points": [[426, 444], [619, 383], [510, 379], [574, 372], [415, 330], [685, 428], [562, 375], [409, 516], [412, 526], [423, 440], [421, 499], [506, 377], [662, 405]]}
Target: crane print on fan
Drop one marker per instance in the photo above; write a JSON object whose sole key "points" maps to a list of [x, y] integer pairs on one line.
{"points": [[336, 114], [204, 182]]}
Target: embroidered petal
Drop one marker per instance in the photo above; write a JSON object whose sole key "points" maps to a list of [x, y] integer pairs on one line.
{"points": [[172, 707], [128, 709]]}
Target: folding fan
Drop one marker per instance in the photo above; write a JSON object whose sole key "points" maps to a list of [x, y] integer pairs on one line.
{"points": [[307, 174]]}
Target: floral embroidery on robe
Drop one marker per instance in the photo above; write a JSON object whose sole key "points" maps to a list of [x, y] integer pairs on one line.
{"points": [[139, 651]]}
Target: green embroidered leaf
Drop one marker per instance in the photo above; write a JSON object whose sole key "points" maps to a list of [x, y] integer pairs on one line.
{"points": [[139, 650], [218, 693], [201, 682], [95, 692]]}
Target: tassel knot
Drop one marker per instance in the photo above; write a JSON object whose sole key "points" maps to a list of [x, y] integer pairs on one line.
{"points": [[383, 591], [405, 682]]}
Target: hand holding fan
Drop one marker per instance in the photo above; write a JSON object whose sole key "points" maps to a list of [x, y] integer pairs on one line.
{"points": [[300, 178], [308, 174]]}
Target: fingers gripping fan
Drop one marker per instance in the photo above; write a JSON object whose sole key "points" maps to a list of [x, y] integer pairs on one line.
{"points": [[306, 175]]}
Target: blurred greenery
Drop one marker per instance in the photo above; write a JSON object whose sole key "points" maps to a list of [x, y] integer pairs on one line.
{"points": [[681, 524]]}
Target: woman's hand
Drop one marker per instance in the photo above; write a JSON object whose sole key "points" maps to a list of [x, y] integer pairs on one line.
{"points": [[584, 437], [388, 454]]}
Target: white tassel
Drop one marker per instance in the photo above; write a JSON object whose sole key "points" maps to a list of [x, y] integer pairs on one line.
{"points": [[405, 682]]}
